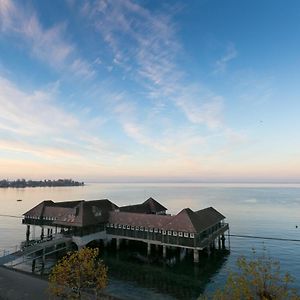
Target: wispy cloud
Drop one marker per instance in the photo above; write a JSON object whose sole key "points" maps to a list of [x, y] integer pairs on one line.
{"points": [[36, 124], [49, 45], [230, 54], [150, 58]]}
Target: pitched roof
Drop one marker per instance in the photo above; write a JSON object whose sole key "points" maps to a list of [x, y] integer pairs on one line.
{"points": [[138, 219], [150, 206], [74, 213], [87, 213], [185, 221]]}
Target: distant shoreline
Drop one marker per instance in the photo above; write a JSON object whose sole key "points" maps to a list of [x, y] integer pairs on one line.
{"points": [[22, 183]]}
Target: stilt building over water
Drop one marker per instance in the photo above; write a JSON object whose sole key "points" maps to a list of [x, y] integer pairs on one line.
{"points": [[85, 221]]}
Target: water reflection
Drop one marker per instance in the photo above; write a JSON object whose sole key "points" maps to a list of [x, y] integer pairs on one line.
{"points": [[177, 276]]}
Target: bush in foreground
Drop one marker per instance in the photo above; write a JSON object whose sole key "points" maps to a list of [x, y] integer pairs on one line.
{"points": [[259, 278], [76, 273]]}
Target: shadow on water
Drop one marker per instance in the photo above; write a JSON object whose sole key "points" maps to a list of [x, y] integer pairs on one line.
{"points": [[176, 276]]}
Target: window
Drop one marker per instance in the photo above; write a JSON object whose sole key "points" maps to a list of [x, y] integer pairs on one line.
{"points": [[180, 234], [132, 227], [146, 229], [155, 230], [137, 228], [111, 225], [164, 232], [120, 226], [116, 225], [151, 230], [141, 228], [169, 232], [174, 233], [186, 234], [192, 235], [124, 226], [128, 227]]}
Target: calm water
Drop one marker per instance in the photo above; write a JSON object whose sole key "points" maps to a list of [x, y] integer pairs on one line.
{"points": [[270, 210]]}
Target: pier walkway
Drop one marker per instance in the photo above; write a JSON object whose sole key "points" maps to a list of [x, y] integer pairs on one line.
{"points": [[39, 250]]}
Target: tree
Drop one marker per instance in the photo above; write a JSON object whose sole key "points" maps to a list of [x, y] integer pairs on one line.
{"points": [[78, 272], [258, 279]]}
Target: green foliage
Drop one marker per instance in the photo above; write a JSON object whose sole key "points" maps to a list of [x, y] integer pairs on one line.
{"points": [[77, 272], [257, 279]]}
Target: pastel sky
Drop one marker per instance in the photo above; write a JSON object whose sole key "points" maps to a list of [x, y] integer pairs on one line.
{"points": [[150, 90]]}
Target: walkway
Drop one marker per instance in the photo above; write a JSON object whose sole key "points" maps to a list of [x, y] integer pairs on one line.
{"points": [[15, 286]]}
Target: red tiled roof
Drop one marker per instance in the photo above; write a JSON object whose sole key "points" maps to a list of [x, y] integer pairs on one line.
{"points": [[138, 219], [185, 221], [150, 206]]}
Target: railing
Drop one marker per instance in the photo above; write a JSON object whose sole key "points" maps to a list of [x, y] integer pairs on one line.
{"points": [[214, 235], [166, 238]]}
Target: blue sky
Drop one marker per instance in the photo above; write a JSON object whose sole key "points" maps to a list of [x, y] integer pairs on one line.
{"points": [[150, 90]]}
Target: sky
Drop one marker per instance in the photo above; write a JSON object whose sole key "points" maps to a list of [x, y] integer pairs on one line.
{"points": [[150, 90]]}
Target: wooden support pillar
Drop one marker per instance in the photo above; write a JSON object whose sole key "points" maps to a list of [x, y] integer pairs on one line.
{"points": [[208, 250], [148, 249], [42, 233], [43, 260], [117, 243], [48, 232], [105, 242], [182, 253], [164, 251], [219, 242], [28, 233], [33, 266], [55, 229], [223, 241], [196, 255]]}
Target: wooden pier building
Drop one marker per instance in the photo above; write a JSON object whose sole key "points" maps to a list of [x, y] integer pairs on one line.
{"points": [[148, 222]]}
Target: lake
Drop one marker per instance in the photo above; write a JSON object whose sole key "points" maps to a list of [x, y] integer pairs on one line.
{"points": [[268, 210]]}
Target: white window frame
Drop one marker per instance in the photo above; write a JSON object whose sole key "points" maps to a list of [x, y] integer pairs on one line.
{"points": [[192, 235], [146, 229], [150, 229], [120, 226], [164, 232], [174, 233], [169, 232], [124, 226], [116, 226], [132, 227], [186, 234], [155, 230], [180, 234], [127, 227]]}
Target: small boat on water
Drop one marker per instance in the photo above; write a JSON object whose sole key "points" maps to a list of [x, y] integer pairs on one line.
{"points": [[19, 200]]}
